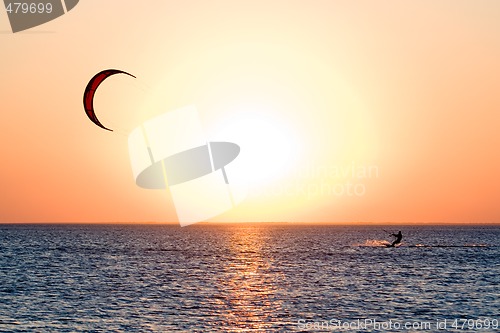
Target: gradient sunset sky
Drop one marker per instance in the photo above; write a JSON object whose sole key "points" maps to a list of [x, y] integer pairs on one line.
{"points": [[345, 111]]}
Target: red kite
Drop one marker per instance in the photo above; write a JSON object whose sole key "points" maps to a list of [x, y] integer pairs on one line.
{"points": [[88, 95]]}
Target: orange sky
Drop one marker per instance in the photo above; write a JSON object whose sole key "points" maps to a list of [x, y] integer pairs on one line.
{"points": [[399, 99]]}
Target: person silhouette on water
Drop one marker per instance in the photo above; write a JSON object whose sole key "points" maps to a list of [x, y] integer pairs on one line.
{"points": [[399, 237]]}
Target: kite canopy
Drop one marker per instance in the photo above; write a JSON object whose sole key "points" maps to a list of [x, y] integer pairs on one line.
{"points": [[88, 95]]}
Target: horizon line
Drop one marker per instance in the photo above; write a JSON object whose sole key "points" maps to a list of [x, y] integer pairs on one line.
{"points": [[344, 223]]}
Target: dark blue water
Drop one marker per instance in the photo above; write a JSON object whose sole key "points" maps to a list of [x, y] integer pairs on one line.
{"points": [[262, 277]]}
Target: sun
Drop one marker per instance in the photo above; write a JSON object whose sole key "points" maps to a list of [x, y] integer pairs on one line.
{"points": [[268, 146]]}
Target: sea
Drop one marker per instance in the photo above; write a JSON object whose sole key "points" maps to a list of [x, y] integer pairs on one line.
{"points": [[268, 277]]}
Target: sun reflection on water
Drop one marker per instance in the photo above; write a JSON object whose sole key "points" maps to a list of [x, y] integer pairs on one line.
{"points": [[251, 286]]}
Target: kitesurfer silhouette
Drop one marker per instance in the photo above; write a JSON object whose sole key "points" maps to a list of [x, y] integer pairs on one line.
{"points": [[398, 236]]}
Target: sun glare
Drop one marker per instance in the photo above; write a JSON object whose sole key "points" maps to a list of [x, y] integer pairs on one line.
{"points": [[268, 146]]}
